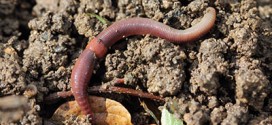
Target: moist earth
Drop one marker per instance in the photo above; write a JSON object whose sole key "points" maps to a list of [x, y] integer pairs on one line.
{"points": [[222, 78]]}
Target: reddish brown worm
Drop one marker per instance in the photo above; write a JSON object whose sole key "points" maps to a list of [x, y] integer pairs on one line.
{"points": [[98, 46]]}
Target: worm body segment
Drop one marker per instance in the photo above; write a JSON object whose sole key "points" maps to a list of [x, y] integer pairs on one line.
{"points": [[142, 26], [80, 77], [98, 46]]}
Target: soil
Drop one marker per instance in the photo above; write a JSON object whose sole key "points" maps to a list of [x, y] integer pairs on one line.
{"points": [[222, 78]]}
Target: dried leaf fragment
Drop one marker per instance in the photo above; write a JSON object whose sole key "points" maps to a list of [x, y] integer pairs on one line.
{"points": [[12, 102], [106, 111]]}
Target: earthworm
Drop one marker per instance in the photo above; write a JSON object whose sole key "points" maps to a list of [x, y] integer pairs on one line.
{"points": [[98, 46]]}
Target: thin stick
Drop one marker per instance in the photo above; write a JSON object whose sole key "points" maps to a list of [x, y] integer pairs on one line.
{"points": [[104, 89]]}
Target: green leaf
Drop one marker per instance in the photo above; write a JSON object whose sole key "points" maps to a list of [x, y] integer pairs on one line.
{"points": [[169, 119], [101, 19]]}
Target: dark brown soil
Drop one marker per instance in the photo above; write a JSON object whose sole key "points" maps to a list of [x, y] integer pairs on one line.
{"points": [[222, 78]]}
